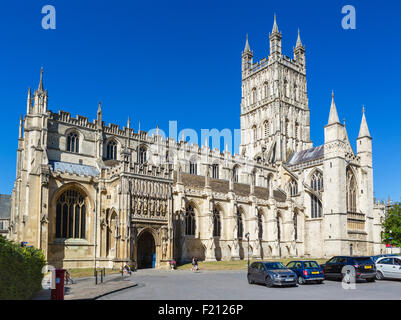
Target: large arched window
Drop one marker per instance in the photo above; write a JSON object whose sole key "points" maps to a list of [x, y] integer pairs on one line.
{"points": [[71, 215], [190, 223], [142, 154], [260, 226], [111, 150], [73, 142], [293, 188], [351, 191], [240, 225], [316, 185], [216, 223]]}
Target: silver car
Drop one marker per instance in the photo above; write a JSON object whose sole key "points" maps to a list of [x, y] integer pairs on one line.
{"points": [[271, 274], [388, 268]]}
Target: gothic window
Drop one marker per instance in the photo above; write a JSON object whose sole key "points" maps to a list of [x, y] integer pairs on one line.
{"points": [[266, 89], [193, 167], [278, 218], [295, 218], [255, 134], [142, 154], [351, 191], [215, 171], [296, 130], [287, 125], [286, 88], [190, 221], [73, 142], [71, 215], [260, 226], [240, 225], [295, 92], [216, 223], [316, 185], [293, 188], [236, 174], [267, 129], [111, 150], [254, 95]]}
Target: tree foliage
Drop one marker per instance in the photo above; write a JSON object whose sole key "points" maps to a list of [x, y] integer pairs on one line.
{"points": [[393, 223], [20, 270]]}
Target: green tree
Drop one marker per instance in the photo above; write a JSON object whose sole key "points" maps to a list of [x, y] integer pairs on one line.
{"points": [[393, 223]]}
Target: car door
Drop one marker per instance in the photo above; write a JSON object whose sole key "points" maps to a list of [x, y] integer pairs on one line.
{"points": [[338, 266], [396, 270], [261, 273], [385, 266], [253, 271], [328, 267], [291, 266]]}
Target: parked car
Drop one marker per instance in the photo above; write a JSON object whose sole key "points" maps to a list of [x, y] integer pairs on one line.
{"points": [[307, 271], [364, 267], [271, 274], [375, 258], [388, 268]]}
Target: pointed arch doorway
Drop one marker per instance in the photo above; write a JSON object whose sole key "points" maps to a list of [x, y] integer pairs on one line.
{"points": [[146, 251]]}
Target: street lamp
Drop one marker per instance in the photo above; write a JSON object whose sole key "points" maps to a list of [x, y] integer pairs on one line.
{"points": [[247, 236], [391, 242]]}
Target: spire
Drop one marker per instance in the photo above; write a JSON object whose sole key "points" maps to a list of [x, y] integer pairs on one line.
{"points": [[99, 109], [128, 123], [29, 101], [20, 128], [275, 27], [364, 130], [333, 117], [40, 88], [247, 48], [299, 42], [99, 122]]}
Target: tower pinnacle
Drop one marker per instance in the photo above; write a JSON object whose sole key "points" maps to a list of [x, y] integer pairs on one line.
{"points": [[364, 130], [247, 48], [333, 117], [275, 27], [40, 88], [299, 42]]}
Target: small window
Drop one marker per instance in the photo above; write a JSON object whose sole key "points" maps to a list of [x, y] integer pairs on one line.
{"points": [[111, 150], [193, 167], [215, 171], [73, 142], [142, 155]]}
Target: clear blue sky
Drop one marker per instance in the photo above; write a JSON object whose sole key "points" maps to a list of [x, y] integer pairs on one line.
{"points": [[157, 61]]}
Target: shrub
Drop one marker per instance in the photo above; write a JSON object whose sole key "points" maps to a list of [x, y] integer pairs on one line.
{"points": [[20, 270]]}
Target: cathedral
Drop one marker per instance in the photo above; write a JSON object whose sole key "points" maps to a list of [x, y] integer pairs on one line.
{"points": [[90, 194]]}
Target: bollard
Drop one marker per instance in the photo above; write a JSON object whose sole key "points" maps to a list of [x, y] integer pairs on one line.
{"points": [[101, 275], [95, 276]]}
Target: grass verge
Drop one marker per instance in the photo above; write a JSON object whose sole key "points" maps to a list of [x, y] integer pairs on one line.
{"points": [[238, 264]]}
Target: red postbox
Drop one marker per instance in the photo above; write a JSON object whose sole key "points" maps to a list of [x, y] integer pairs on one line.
{"points": [[58, 293]]}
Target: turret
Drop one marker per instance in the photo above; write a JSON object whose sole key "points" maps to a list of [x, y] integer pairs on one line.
{"points": [[40, 97], [334, 130], [29, 102], [364, 142], [299, 51], [247, 56], [99, 116], [275, 40]]}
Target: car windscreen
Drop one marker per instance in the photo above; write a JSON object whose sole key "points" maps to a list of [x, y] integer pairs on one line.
{"points": [[274, 265], [310, 265], [363, 260]]}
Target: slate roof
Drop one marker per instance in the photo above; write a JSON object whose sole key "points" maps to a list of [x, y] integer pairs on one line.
{"points": [[74, 168], [5, 206], [306, 155]]}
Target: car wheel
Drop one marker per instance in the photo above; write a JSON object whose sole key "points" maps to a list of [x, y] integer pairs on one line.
{"points": [[301, 280], [250, 281], [379, 275], [269, 282]]}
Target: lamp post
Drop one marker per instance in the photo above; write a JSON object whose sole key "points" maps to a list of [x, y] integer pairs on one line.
{"points": [[391, 242], [247, 237]]}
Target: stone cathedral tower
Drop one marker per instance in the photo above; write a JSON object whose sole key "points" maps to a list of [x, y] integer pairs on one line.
{"points": [[274, 105]]}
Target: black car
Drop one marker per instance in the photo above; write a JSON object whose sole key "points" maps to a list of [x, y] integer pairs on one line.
{"points": [[364, 267], [271, 274]]}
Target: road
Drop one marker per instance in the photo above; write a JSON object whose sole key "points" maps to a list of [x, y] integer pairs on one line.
{"points": [[232, 285]]}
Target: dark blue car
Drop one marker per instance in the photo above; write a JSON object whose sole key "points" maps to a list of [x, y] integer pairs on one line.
{"points": [[307, 271]]}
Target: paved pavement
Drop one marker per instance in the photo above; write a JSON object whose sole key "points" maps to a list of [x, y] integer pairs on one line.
{"points": [[227, 285], [86, 289]]}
